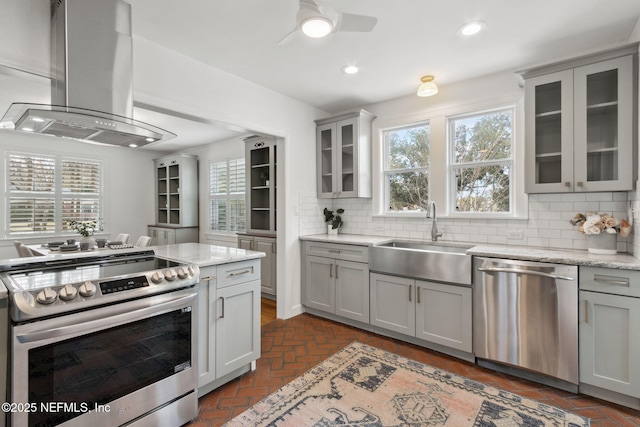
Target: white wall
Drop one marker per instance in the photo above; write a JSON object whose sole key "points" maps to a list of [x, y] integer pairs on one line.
{"points": [[212, 153], [545, 219], [174, 81], [128, 182]]}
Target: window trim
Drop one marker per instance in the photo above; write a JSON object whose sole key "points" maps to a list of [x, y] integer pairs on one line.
{"points": [[437, 120], [58, 195], [386, 171], [452, 166]]}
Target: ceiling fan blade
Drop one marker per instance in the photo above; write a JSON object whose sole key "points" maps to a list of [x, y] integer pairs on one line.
{"points": [[356, 23], [286, 39]]}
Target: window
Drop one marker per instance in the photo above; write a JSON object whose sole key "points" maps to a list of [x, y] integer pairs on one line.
{"points": [[227, 196], [406, 168], [481, 161], [45, 192]]}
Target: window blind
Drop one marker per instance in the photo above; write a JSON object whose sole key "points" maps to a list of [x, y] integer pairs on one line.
{"points": [[227, 196], [45, 192]]}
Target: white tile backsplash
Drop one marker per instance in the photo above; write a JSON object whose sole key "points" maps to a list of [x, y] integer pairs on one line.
{"points": [[547, 226]]}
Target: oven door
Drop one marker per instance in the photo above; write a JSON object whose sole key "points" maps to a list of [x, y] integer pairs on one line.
{"points": [[106, 366]]}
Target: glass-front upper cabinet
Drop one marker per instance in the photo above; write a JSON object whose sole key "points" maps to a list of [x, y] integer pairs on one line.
{"points": [[579, 126], [344, 155]]}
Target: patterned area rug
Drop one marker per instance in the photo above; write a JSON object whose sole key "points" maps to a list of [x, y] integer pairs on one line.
{"points": [[362, 386]]}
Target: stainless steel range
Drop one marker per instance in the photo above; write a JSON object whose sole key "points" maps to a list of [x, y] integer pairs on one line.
{"points": [[103, 341]]}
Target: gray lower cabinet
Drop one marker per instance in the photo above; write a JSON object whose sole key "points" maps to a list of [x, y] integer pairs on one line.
{"points": [[435, 312], [334, 284], [206, 326], [609, 314], [228, 322], [172, 235], [268, 264]]}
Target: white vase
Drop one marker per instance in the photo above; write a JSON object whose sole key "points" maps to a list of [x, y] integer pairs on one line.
{"points": [[88, 239], [602, 244], [331, 230]]}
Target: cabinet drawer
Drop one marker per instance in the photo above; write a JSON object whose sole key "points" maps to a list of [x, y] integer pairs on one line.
{"points": [[610, 280], [337, 251], [238, 272]]}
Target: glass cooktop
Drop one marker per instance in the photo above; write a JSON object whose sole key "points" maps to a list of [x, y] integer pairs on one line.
{"points": [[55, 276]]}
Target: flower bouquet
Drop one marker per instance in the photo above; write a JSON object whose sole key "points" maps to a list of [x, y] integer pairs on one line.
{"points": [[602, 231], [595, 223]]}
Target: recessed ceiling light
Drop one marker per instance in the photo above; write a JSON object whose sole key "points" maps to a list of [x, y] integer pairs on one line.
{"points": [[471, 28], [350, 69], [149, 139], [38, 119], [133, 145], [28, 129]]}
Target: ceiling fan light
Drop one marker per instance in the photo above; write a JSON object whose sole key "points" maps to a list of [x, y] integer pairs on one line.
{"points": [[428, 87], [316, 27]]}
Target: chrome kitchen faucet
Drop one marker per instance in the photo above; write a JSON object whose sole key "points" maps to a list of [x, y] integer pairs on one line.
{"points": [[432, 213]]}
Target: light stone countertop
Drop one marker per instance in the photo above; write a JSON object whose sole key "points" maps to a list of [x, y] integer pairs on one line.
{"points": [[526, 253], [197, 253], [204, 255]]}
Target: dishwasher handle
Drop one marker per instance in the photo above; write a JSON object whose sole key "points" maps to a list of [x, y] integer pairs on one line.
{"points": [[522, 271]]}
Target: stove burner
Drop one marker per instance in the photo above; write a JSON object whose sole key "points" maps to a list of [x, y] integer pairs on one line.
{"points": [[43, 291]]}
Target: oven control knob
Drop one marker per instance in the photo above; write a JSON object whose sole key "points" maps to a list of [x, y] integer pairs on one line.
{"points": [[170, 275], [192, 271], [68, 293], [157, 277], [183, 273], [46, 296], [87, 289]]}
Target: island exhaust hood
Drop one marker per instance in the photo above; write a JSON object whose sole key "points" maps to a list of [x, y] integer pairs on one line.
{"points": [[92, 85]]}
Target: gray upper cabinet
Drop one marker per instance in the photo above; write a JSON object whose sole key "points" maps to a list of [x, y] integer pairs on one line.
{"points": [[579, 124], [260, 163], [344, 155], [177, 191]]}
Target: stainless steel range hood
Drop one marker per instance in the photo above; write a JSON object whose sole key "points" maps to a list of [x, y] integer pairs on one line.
{"points": [[92, 86]]}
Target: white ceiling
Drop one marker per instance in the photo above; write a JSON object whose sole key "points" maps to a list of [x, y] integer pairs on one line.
{"points": [[412, 38]]}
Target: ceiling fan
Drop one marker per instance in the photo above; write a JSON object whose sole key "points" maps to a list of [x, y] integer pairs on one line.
{"points": [[318, 21]]}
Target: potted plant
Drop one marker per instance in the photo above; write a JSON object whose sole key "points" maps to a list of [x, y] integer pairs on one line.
{"points": [[333, 219], [85, 229], [264, 176]]}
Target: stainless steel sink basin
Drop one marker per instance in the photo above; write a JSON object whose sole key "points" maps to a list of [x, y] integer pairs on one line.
{"points": [[422, 260], [425, 246]]}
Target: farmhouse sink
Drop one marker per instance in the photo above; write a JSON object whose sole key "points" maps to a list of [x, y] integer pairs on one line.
{"points": [[422, 260]]}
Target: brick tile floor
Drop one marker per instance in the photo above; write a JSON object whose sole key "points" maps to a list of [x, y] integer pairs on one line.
{"points": [[293, 346]]}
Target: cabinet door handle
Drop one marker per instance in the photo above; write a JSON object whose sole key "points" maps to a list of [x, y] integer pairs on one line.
{"points": [[239, 273], [330, 270], [208, 279], [334, 251], [586, 311], [222, 315], [418, 293], [611, 280], [410, 292], [337, 271], [274, 247]]}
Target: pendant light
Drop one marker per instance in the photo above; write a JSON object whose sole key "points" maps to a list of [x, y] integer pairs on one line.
{"points": [[428, 87]]}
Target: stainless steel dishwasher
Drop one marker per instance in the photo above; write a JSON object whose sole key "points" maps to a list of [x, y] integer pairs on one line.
{"points": [[525, 319]]}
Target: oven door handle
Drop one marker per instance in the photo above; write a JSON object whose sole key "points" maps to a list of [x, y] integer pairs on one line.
{"points": [[96, 320]]}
